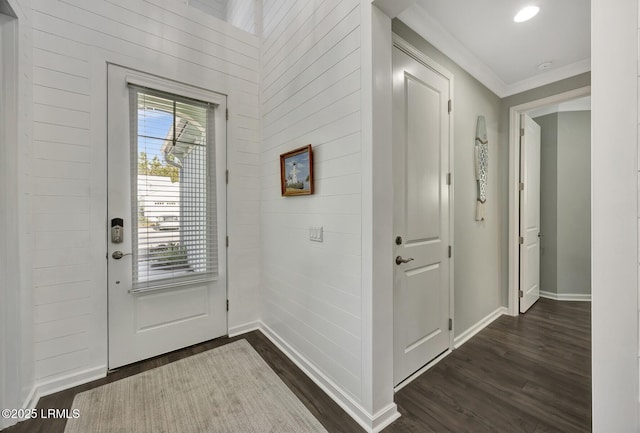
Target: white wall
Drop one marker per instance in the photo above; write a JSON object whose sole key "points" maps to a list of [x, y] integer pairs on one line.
{"points": [[311, 93], [377, 211], [72, 42], [614, 205], [16, 323]]}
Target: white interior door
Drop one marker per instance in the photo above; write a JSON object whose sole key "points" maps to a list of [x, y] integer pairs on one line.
{"points": [[529, 213], [421, 214], [166, 184]]}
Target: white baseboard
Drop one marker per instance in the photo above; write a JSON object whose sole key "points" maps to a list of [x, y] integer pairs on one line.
{"points": [[566, 296], [32, 399], [29, 403], [483, 323], [70, 380], [384, 417], [372, 423], [244, 328], [46, 387]]}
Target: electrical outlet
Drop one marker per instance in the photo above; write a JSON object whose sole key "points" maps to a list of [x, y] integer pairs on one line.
{"points": [[315, 234]]}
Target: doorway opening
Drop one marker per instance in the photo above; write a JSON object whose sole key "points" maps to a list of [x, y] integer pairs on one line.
{"points": [[167, 211], [533, 109]]}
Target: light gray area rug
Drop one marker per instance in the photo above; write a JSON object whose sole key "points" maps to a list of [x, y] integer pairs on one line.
{"points": [[229, 389]]}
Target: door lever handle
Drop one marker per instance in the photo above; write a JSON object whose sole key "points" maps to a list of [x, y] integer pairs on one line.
{"points": [[119, 254], [400, 260]]}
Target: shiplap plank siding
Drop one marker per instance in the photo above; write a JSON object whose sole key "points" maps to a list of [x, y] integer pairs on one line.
{"points": [[60, 328], [72, 42], [60, 292], [311, 94]]}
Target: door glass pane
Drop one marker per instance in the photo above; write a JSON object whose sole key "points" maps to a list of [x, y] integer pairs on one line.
{"points": [[173, 189]]}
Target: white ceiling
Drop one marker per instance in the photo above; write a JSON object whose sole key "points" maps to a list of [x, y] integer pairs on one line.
{"points": [[482, 37]]}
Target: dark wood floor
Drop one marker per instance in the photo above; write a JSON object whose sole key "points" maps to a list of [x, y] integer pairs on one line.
{"points": [[530, 373], [525, 374]]}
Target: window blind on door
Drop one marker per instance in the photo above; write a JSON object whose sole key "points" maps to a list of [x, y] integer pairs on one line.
{"points": [[173, 189]]}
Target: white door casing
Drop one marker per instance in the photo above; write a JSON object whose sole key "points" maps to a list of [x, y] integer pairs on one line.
{"points": [[515, 113], [421, 134], [529, 213], [157, 320]]}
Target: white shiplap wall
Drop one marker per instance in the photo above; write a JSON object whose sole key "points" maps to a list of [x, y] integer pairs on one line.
{"points": [[72, 42], [311, 93]]}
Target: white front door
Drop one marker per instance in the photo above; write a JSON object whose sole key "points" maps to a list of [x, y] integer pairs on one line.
{"points": [[421, 214], [529, 213], [167, 193]]}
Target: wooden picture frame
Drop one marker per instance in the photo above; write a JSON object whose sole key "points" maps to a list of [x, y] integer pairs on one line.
{"points": [[296, 171]]}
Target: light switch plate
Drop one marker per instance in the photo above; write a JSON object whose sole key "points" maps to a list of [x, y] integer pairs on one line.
{"points": [[315, 234]]}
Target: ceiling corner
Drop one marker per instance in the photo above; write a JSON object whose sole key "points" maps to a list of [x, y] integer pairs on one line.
{"points": [[6, 9], [393, 8]]}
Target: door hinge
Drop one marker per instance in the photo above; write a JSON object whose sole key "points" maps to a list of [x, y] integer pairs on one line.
{"points": [[521, 293], [226, 174], [521, 132], [521, 186], [226, 113], [227, 241], [448, 178], [521, 240], [450, 251], [450, 324], [450, 106], [227, 305]]}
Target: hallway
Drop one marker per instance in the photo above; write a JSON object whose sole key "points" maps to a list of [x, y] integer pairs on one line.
{"points": [[521, 374], [526, 374]]}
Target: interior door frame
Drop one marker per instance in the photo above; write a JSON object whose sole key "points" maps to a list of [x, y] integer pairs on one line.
{"points": [[514, 180], [428, 62]]}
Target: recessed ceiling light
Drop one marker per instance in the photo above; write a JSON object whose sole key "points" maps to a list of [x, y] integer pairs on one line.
{"points": [[526, 13]]}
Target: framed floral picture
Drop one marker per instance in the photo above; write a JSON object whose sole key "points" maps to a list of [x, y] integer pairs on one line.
{"points": [[296, 171]]}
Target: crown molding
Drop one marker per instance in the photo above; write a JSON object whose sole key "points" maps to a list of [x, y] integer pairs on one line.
{"points": [[567, 71], [432, 31]]}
